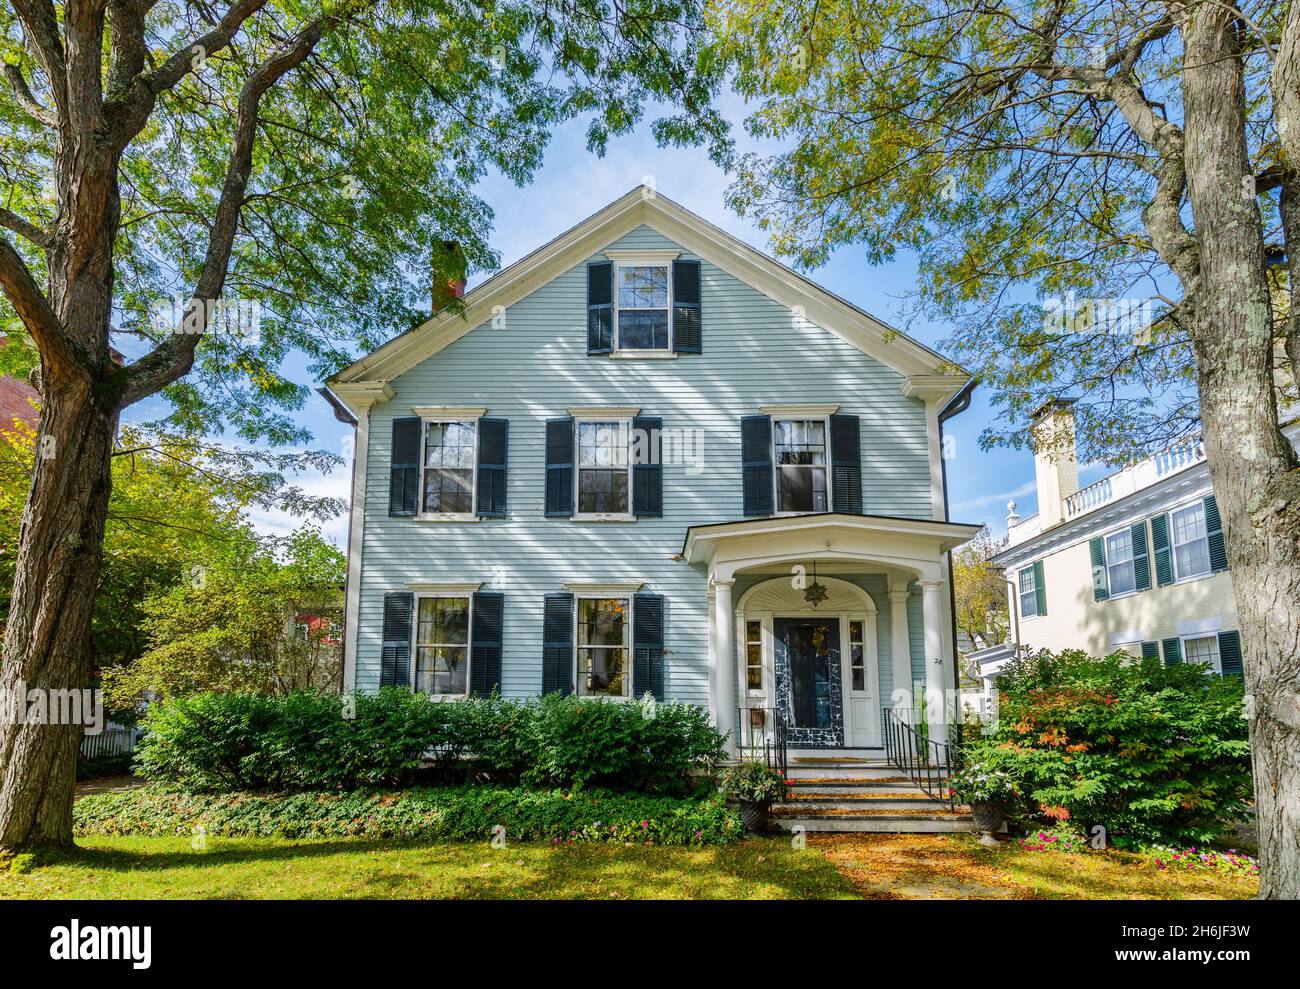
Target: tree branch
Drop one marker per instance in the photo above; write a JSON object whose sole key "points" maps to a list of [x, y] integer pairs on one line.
{"points": [[58, 352], [126, 37], [24, 228], [18, 84], [174, 357], [41, 26]]}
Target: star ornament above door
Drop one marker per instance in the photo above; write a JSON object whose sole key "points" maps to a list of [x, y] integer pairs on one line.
{"points": [[815, 593]]}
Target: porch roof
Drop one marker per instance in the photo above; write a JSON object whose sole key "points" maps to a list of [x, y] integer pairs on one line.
{"points": [[912, 544]]}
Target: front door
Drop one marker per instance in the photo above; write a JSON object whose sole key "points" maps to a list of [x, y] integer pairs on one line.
{"points": [[808, 681]]}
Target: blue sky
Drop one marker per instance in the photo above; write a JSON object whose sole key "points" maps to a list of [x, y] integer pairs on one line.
{"points": [[573, 184]]}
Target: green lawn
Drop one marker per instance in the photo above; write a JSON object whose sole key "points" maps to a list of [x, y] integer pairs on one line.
{"points": [[167, 868]]}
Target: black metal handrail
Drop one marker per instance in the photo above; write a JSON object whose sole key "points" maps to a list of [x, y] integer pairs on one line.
{"points": [[927, 763], [761, 732]]}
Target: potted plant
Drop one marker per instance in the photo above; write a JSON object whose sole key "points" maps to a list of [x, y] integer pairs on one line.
{"points": [[755, 785], [989, 791]]}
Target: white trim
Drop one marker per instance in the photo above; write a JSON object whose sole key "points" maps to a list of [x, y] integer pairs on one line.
{"points": [[446, 589], [603, 589], [622, 417], [420, 514], [696, 236], [1127, 637], [449, 413], [1217, 665], [642, 355], [822, 416], [1173, 547], [356, 541], [587, 594], [1197, 627], [603, 413], [664, 256], [799, 411]]}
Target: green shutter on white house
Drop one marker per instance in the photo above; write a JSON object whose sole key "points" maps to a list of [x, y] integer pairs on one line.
{"points": [[1230, 653], [1214, 535], [1173, 651], [1141, 558], [1160, 547], [1151, 650], [1100, 585], [1040, 589]]}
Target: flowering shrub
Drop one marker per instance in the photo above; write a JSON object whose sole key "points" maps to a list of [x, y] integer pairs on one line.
{"points": [[1153, 754], [1061, 838], [983, 782], [1229, 863], [755, 781]]}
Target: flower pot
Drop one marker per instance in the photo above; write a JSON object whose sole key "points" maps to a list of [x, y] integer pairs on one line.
{"points": [[754, 814], [989, 816]]}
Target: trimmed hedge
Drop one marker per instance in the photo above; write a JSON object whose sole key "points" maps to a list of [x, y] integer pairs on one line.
{"points": [[465, 813], [302, 741]]}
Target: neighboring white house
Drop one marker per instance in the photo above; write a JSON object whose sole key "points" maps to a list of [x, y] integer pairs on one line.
{"points": [[629, 466], [1135, 561]]}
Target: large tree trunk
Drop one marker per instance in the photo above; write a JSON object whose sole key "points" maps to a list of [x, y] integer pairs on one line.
{"points": [[1256, 480], [47, 640]]}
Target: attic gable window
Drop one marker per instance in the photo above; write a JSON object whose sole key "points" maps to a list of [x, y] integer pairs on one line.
{"points": [[642, 306]]}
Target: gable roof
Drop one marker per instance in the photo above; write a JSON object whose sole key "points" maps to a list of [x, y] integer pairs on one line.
{"points": [[643, 206]]}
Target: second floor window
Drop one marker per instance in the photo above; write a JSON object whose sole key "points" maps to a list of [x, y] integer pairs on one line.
{"points": [[642, 306], [1119, 562], [449, 457], [799, 447], [1028, 593], [1191, 542], [604, 468]]}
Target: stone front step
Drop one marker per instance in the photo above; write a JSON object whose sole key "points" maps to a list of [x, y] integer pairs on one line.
{"points": [[842, 770], [918, 803], [850, 786], [878, 823]]}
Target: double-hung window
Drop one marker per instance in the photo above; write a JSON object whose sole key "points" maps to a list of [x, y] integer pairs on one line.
{"points": [[1203, 649], [642, 303], [1190, 541], [442, 645], [799, 450], [1028, 593], [604, 647], [1121, 576], [449, 458], [604, 468]]}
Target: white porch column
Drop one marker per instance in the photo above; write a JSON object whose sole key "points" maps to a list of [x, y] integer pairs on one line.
{"points": [[724, 652], [900, 643], [935, 697]]}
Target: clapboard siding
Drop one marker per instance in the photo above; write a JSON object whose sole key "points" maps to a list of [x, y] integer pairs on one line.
{"points": [[535, 367]]}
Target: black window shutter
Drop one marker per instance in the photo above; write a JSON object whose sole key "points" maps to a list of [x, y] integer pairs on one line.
{"points": [[1151, 650], [1141, 558], [1173, 649], [559, 467], [1230, 653], [1040, 589], [846, 465], [557, 643], [1160, 547], [756, 464], [395, 657], [493, 449], [600, 307], [485, 630], [1100, 586], [1214, 535], [404, 479], [648, 645], [686, 307], [647, 467]]}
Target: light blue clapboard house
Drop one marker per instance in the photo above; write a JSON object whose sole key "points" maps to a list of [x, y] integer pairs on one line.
{"points": [[649, 459]]}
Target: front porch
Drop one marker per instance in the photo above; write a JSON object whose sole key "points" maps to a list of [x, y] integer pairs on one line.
{"points": [[828, 620]]}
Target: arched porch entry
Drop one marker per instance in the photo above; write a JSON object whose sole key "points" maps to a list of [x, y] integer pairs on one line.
{"points": [[817, 664]]}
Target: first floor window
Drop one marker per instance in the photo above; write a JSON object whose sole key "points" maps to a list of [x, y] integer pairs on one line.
{"points": [[1191, 543], [604, 627], [1203, 649], [753, 655], [442, 645], [1028, 593], [1119, 562], [857, 656], [799, 447], [449, 467], [603, 468]]}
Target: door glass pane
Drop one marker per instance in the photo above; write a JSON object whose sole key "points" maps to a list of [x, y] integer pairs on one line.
{"points": [[810, 649]]}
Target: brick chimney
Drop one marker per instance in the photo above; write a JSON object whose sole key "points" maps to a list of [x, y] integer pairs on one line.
{"points": [[448, 273], [1056, 464]]}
